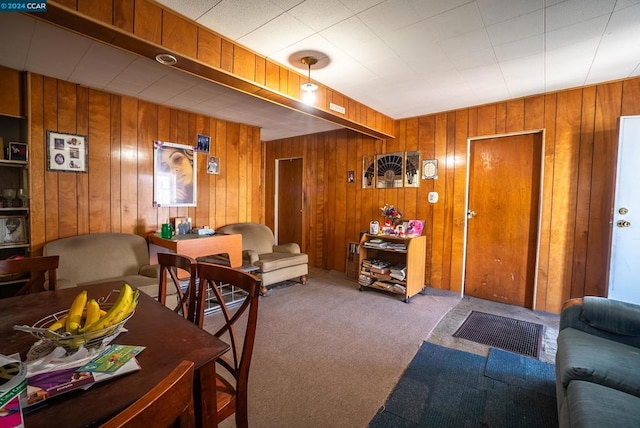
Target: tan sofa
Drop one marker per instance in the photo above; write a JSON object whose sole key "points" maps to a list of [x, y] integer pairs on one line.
{"points": [[101, 257], [276, 263]]}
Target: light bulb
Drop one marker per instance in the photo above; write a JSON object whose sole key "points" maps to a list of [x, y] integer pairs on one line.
{"points": [[309, 97]]}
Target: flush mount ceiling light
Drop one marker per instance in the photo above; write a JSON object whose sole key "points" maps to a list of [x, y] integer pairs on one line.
{"points": [[166, 59], [309, 88]]}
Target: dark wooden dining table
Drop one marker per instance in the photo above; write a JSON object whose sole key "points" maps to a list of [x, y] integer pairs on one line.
{"points": [[167, 337]]}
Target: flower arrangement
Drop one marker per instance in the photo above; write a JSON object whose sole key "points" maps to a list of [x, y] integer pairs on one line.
{"points": [[391, 215]]}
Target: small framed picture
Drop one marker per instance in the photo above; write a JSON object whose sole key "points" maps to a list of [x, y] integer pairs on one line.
{"points": [[67, 152], [351, 176], [414, 227], [18, 151], [12, 230], [203, 144], [213, 165], [181, 225]]}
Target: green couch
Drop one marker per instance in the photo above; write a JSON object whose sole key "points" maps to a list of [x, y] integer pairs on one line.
{"points": [[598, 364]]}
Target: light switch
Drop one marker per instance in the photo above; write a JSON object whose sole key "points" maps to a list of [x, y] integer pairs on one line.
{"points": [[433, 197]]}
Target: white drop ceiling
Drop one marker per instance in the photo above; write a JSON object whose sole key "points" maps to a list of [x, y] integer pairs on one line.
{"points": [[403, 58]]}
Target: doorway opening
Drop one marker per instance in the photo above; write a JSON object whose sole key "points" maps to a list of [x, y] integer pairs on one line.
{"points": [[288, 201]]}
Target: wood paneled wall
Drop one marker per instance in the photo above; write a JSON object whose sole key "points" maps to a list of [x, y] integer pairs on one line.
{"points": [[579, 161], [116, 195]]}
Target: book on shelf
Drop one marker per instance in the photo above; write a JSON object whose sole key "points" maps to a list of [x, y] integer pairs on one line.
{"points": [[383, 271], [371, 244], [399, 272], [398, 246]]}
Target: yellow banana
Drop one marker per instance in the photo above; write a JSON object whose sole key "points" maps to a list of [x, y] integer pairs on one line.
{"points": [[74, 318], [93, 312], [57, 325], [123, 302]]}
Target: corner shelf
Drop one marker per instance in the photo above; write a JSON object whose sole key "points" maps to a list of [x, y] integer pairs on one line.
{"points": [[391, 251]]}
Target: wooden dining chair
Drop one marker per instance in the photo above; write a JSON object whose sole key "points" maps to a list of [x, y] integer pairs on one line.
{"points": [[232, 396], [187, 304], [168, 404], [40, 269]]}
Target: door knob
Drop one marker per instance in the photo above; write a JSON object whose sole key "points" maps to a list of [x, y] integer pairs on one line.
{"points": [[623, 223], [471, 214]]}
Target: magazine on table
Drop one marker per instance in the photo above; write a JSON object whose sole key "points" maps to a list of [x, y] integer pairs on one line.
{"points": [[59, 379]]}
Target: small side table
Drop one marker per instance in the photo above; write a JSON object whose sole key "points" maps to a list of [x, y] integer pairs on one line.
{"points": [[196, 246]]}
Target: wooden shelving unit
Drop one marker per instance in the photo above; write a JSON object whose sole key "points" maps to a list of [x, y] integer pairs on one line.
{"points": [[396, 252], [14, 174]]}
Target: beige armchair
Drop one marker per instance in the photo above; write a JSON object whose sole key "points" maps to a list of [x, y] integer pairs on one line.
{"points": [[276, 263]]}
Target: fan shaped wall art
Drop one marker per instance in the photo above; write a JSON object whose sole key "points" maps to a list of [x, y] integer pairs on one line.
{"points": [[389, 171]]}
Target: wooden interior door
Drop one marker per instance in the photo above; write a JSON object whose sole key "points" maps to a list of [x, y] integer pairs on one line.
{"points": [[502, 221], [290, 201]]}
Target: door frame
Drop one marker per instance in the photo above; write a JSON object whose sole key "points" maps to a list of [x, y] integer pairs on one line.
{"points": [[470, 140], [276, 195]]}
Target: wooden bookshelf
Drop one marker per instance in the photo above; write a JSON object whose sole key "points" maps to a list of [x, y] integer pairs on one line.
{"points": [[396, 251]]}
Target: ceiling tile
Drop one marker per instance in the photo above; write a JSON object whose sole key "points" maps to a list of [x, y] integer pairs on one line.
{"points": [[523, 76], [100, 65], [481, 58], [453, 23], [495, 11], [389, 16], [320, 14], [428, 8], [520, 49], [586, 32], [622, 4], [235, 19], [519, 28], [55, 52], [348, 34], [19, 29], [275, 35], [137, 76], [571, 12], [357, 6], [466, 43]]}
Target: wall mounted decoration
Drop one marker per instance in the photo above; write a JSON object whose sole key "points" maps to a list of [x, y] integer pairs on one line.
{"points": [[12, 230], [18, 151], [411, 168], [429, 169], [213, 165], [368, 172], [351, 176], [67, 152], [389, 171], [174, 175], [203, 143]]}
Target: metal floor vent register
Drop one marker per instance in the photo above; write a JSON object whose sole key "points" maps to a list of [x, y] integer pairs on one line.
{"points": [[513, 335]]}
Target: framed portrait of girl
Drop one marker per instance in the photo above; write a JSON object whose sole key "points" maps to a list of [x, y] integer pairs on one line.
{"points": [[174, 175]]}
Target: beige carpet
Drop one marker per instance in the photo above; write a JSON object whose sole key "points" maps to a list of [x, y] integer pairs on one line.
{"points": [[328, 355]]}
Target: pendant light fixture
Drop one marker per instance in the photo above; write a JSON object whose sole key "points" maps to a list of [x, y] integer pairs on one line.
{"points": [[309, 88]]}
